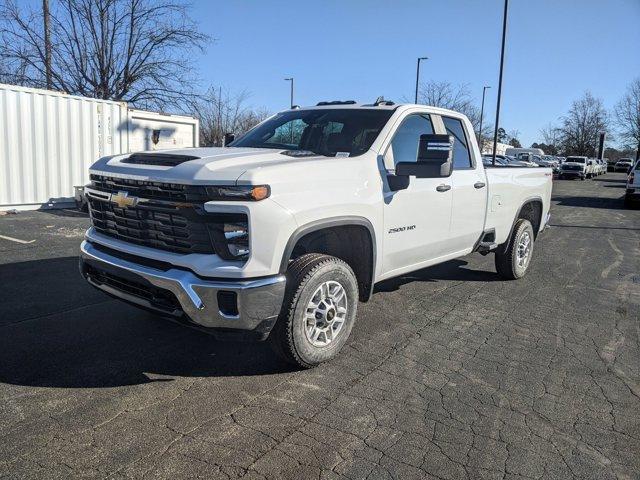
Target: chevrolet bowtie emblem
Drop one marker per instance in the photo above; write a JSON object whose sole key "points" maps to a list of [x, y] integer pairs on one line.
{"points": [[123, 200]]}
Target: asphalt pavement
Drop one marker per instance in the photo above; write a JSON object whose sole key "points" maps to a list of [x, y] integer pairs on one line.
{"points": [[450, 372]]}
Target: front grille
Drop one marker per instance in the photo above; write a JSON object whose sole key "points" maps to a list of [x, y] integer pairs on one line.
{"points": [[571, 167], [157, 297], [169, 192], [174, 225]]}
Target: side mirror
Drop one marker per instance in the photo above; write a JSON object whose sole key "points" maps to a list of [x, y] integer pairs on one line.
{"points": [[228, 138], [433, 158]]}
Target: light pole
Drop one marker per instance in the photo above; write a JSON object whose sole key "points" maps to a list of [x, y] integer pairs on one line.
{"points": [[497, 125], [484, 90], [418, 75], [290, 80]]}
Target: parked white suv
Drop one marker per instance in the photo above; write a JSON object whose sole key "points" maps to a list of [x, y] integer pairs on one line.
{"points": [[283, 232]]}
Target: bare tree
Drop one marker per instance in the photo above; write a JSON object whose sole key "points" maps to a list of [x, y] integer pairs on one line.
{"points": [[220, 111], [512, 138], [551, 135], [582, 126], [627, 114], [134, 50], [454, 97]]}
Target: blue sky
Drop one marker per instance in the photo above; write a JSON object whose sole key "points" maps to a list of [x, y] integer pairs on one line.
{"points": [[357, 49]]}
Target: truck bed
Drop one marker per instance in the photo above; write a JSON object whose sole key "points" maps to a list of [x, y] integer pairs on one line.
{"points": [[509, 189]]}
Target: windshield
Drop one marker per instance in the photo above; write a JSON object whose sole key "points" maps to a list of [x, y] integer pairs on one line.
{"points": [[344, 131], [575, 159]]}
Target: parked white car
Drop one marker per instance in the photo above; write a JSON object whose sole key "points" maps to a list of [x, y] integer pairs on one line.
{"points": [[281, 234]]}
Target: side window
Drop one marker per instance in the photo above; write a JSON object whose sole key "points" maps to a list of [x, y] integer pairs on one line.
{"points": [[404, 146], [461, 155]]}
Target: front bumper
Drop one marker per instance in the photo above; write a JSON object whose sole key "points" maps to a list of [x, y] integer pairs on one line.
{"points": [[573, 173], [240, 305]]}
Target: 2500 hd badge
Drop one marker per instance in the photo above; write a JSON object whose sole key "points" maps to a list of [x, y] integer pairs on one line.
{"points": [[402, 229]]}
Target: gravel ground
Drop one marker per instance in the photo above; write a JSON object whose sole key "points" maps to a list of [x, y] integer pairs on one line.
{"points": [[450, 372]]}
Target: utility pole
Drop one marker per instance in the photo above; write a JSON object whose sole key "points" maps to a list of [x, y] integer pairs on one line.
{"points": [[47, 42], [291, 92], [484, 90], [220, 117], [418, 75], [601, 141], [497, 125]]}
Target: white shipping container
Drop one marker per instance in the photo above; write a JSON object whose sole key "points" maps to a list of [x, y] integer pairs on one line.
{"points": [[48, 140]]}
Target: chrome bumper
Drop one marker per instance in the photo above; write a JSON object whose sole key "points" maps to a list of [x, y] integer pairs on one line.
{"points": [[258, 300]]}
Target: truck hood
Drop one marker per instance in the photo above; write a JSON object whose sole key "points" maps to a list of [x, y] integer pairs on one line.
{"points": [[214, 164]]}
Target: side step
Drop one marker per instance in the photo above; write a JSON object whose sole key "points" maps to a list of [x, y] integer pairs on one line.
{"points": [[487, 242], [485, 247]]}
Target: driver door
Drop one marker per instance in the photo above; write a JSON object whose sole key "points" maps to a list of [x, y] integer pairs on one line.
{"points": [[417, 219]]}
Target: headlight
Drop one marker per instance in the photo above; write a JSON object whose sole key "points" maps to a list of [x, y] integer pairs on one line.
{"points": [[252, 193]]}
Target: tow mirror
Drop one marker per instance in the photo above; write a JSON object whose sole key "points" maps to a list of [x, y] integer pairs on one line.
{"points": [[228, 138], [433, 158]]}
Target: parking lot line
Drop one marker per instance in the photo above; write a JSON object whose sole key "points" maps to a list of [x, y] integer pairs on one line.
{"points": [[17, 240]]}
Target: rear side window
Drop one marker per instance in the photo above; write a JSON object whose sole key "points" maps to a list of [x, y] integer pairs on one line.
{"points": [[461, 155], [404, 146]]}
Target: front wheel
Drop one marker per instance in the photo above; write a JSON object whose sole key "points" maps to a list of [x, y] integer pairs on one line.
{"points": [[514, 256], [319, 310]]}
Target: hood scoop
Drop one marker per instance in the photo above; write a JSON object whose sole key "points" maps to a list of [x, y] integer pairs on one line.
{"points": [[299, 153], [158, 159]]}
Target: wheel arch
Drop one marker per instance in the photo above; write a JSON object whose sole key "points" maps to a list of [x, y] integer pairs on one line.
{"points": [[531, 209], [360, 255]]}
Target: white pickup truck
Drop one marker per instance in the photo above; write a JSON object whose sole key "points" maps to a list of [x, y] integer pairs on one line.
{"points": [[280, 234]]}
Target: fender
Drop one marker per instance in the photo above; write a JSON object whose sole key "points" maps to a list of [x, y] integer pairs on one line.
{"points": [[528, 200], [329, 223]]}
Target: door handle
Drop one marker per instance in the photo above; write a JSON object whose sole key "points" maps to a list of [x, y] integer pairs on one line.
{"points": [[443, 188], [479, 184]]}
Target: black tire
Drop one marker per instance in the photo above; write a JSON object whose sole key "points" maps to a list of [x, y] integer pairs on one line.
{"points": [[506, 254], [304, 276]]}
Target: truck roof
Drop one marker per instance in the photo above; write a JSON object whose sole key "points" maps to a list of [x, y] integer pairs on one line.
{"points": [[382, 106]]}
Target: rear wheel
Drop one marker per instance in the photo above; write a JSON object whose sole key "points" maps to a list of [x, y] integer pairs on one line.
{"points": [[319, 310], [514, 256]]}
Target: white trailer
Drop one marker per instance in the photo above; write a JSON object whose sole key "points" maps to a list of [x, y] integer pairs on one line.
{"points": [[48, 140]]}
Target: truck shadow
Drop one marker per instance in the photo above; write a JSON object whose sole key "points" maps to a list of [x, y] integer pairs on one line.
{"points": [[58, 332], [610, 180], [451, 270], [590, 202]]}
